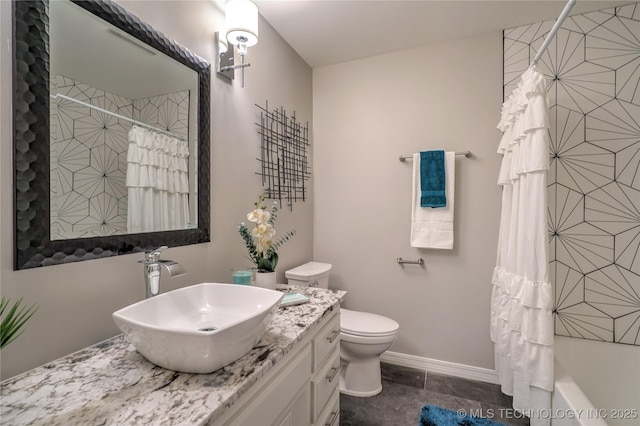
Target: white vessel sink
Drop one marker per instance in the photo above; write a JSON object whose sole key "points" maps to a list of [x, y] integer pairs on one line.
{"points": [[201, 328]]}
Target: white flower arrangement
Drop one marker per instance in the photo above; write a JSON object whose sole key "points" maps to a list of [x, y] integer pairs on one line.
{"points": [[263, 249]]}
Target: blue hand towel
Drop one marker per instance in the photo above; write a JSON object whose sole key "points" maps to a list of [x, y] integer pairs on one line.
{"points": [[432, 179]]}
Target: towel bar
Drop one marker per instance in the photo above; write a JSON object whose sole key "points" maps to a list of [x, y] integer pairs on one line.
{"points": [[401, 261], [404, 158]]}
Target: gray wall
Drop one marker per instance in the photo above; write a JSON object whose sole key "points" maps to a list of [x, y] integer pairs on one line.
{"points": [[366, 114], [76, 300]]}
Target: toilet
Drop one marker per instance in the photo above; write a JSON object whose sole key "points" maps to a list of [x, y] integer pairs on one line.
{"points": [[364, 336]]}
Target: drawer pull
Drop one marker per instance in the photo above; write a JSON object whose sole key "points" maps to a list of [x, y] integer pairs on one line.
{"points": [[332, 374], [333, 336], [334, 417]]}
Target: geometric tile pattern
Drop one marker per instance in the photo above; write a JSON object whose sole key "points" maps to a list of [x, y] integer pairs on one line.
{"points": [[592, 67], [89, 155]]}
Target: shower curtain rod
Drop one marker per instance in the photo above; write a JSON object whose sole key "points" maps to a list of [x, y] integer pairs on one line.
{"points": [[554, 30], [122, 117], [404, 158]]}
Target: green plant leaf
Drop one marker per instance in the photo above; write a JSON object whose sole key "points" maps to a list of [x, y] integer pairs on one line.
{"points": [[13, 322], [268, 264]]}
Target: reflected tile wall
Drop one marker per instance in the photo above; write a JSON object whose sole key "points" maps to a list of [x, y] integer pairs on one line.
{"points": [[89, 155]]}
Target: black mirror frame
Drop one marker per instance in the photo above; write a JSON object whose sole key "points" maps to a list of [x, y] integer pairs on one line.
{"points": [[33, 246]]}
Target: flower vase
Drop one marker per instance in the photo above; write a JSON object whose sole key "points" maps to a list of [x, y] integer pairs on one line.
{"points": [[266, 280]]}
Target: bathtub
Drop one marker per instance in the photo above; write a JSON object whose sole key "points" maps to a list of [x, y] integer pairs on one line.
{"points": [[596, 383]]}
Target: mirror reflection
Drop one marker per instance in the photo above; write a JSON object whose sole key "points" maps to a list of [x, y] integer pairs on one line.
{"points": [[122, 132], [111, 135]]}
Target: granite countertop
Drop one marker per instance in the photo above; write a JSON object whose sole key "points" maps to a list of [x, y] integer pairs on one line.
{"points": [[110, 383]]}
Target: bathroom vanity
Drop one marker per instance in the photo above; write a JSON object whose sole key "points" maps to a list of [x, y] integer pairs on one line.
{"points": [[290, 378]]}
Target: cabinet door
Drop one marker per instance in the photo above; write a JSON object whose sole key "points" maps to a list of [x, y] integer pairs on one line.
{"points": [[301, 409], [281, 396]]}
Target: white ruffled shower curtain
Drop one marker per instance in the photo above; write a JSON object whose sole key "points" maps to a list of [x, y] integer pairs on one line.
{"points": [[157, 182], [522, 296]]}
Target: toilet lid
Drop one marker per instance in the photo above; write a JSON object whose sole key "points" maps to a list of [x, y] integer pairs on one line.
{"points": [[366, 324], [309, 271]]}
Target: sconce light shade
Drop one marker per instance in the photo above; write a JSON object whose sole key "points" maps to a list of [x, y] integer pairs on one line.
{"points": [[241, 22]]}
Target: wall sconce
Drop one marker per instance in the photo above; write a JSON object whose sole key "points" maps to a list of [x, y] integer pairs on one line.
{"points": [[241, 22]]}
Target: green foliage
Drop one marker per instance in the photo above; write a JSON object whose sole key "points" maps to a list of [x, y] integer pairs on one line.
{"points": [[258, 204], [13, 322]]}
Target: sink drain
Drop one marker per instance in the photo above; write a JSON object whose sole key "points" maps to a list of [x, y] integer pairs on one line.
{"points": [[207, 329]]}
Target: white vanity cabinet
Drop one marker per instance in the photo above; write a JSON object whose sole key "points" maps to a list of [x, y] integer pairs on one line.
{"points": [[301, 389], [290, 379]]}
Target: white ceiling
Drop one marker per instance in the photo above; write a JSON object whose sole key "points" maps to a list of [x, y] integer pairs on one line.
{"points": [[92, 51], [325, 32]]}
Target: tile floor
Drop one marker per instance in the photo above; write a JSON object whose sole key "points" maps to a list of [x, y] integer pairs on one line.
{"points": [[406, 390]]}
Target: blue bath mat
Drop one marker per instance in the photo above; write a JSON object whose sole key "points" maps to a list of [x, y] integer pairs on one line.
{"points": [[431, 415]]}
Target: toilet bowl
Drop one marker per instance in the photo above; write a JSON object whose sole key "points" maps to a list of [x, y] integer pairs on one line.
{"points": [[364, 336]]}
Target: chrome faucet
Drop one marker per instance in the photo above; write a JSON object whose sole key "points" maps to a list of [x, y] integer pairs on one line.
{"points": [[152, 264]]}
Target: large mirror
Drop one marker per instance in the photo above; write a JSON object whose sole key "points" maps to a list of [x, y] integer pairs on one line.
{"points": [[111, 135]]}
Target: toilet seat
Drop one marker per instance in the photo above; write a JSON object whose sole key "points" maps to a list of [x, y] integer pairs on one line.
{"points": [[366, 324]]}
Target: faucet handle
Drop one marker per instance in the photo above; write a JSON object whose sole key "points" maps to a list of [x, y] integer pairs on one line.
{"points": [[159, 249], [154, 255]]}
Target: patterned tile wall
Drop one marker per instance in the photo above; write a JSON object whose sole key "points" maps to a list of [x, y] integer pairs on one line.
{"points": [[89, 155], [593, 76]]}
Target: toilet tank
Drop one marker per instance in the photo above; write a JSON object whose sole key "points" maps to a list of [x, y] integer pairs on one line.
{"points": [[312, 274]]}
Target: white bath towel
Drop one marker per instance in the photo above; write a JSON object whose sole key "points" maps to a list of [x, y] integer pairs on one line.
{"points": [[433, 227]]}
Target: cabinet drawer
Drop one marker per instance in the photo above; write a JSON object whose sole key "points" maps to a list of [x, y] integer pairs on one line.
{"points": [[327, 339], [325, 382], [330, 416]]}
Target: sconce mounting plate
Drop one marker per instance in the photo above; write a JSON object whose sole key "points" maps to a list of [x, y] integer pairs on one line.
{"points": [[225, 66]]}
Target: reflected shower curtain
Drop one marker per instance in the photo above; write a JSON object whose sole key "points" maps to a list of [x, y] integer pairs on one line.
{"points": [[522, 297], [157, 182]]}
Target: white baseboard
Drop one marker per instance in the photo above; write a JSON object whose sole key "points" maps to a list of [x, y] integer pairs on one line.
{"points": [[441, 367]]}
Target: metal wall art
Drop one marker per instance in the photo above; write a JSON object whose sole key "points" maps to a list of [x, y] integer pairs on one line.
{"points": [[284, 155]]}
